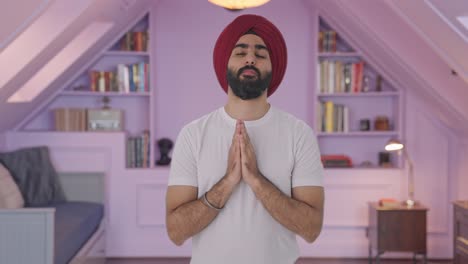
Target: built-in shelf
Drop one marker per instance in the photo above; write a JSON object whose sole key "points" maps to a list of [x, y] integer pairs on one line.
{"points": [[88, 93], [358, 134], [126, 53], [356, 168], [71, 133], [338, 54], [156, 175], [351, 94], [360, 94], [154, 169]]}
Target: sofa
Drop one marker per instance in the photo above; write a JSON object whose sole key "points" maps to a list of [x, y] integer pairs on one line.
{"points": [[38, 224]]}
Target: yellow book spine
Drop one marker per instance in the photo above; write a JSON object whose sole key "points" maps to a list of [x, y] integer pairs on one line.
{"points": [[329, 116]]}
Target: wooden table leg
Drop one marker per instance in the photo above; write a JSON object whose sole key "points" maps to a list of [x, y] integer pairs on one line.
{"points": [[377, 260]]}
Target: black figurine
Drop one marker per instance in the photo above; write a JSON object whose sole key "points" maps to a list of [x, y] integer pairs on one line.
{"points": [[165, 145]]}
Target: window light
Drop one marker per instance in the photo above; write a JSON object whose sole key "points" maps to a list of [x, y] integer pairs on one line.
{"points": [[25, 23], [35, 38], [464, 21], [61, 61]]}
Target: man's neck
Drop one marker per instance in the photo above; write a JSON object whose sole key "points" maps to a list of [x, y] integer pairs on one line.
{"points": [[246, 110]]}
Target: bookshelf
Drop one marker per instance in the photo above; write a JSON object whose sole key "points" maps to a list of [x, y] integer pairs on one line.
{"points": [[121, 74], [357, 109], [101, 94]]}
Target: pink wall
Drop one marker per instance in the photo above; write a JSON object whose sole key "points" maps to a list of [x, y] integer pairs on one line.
{"points": [[185, 35], [462, 171]]}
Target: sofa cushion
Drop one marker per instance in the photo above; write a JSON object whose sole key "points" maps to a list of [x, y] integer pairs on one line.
{"points": [[75, 223], [35, 175], [10, 196]]}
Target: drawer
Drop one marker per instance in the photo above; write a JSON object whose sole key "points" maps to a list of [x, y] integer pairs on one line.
{"points": [[460, 259], [461, 215], [461, 245], [461, 229], [402, 231]]}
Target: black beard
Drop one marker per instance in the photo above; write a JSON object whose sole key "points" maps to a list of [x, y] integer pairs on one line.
{"points": [[249, 88]]}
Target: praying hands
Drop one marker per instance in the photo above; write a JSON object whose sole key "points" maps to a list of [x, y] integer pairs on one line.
{"points": [[249, 167], [242, 162]]}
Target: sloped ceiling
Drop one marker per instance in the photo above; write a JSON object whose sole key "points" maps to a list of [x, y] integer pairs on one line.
{"points": [[444, 32], [397, 46], [416, 43], [19, 18], [119, 13]]}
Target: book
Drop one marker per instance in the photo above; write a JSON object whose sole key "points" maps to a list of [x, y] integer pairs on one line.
{"points": [[329, 109], [389, 202], [70, 119]]}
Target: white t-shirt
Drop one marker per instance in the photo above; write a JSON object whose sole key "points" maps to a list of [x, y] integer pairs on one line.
{"points": [[244, 232]]}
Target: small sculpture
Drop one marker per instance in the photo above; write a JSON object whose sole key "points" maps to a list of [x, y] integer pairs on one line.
{"points": [[364, 124], [165, 145], [105, 102]]}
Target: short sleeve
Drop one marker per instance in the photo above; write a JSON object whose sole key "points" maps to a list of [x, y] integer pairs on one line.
{"points": [[308, 168], [183, 169]]}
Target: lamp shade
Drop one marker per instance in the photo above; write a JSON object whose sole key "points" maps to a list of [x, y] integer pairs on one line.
{"points": [[394, 145], [238, 4]]}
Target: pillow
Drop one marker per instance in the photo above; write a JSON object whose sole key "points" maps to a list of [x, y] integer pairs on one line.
{"points": [[10, 196], [35, 175]]}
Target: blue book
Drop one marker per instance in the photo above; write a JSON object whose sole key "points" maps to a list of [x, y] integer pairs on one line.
{"points": [[130, 78]]}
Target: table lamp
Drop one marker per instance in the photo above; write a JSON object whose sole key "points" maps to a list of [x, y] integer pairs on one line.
{"points": [[396, 145]]}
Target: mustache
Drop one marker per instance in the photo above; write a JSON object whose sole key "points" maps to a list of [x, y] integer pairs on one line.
{"points": [[248, 67]]}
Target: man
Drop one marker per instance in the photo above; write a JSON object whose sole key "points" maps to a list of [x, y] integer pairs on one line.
{"points": [[246, 178]]}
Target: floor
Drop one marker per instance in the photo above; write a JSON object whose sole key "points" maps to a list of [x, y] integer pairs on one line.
{"points": [[300, 261]]}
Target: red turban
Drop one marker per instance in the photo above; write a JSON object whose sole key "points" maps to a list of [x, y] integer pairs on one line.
{"points": [[264, 29]]}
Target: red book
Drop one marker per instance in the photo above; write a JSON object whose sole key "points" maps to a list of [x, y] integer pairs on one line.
{"points": [[355, 78], [93, 81], [138, 41], [360, 75]]}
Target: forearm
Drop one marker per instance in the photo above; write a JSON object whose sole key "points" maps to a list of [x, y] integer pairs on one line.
{"points": [[297, 216], [191, 218]]}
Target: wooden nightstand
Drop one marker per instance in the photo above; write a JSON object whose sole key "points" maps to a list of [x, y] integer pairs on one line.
{"points": [[397, 229], [460, 232]]}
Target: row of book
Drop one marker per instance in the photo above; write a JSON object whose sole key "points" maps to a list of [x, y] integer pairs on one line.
{"points": [[134, 41], [341, 77], [127, 78], [70, 119], [87, 119], [138, 150], [332, 117], [327, 41]]}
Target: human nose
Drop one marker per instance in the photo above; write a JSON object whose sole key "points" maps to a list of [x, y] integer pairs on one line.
{"points": [[250, 59]]}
